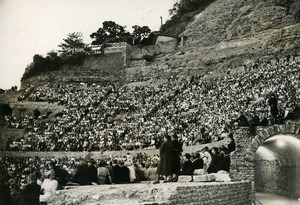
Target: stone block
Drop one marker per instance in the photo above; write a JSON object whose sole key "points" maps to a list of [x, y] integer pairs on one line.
{"points": [[292, 127], [266, 134], [297, 129], [204, 178], [261, 135], [183, 178], [282, 128], [276, 129], [259, 139], [254, 144], [249, 157], [271, 131], [288, 128]]}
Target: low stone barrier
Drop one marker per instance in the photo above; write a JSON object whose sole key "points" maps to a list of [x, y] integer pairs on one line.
{"points": [[205, 193]]}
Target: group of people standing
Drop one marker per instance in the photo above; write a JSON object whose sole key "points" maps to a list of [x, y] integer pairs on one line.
{"points": [[210, 161], [170, 166]]}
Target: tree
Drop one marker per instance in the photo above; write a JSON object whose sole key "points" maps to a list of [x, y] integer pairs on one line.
{"points": [[110, 33], [139, 33], [184, 6], [73, 45]]}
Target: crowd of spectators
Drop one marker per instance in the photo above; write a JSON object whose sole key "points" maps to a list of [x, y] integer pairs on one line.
{"points": [[52, 174], [125, 117]]}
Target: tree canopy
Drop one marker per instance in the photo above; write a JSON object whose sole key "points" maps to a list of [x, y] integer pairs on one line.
{"points": [[187, 6], [140, 32], [181, 13], [73, 51], [109, 32], [73, 44]]}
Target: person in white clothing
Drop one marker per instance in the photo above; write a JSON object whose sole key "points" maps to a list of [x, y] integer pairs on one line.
{"points": [[206, 159], [49, 187]]}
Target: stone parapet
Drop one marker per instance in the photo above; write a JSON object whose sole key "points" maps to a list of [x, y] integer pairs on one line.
{"points": [[216, 193]]}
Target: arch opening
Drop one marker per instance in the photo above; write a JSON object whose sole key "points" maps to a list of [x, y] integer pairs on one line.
{"points": [[277, 166]]}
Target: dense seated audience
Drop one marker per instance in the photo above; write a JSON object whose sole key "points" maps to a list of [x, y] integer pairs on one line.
{"points": [[198, 110], [47, 175]]}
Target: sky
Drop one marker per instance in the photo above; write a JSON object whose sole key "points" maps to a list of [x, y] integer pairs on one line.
{"points": [[29, 27]]}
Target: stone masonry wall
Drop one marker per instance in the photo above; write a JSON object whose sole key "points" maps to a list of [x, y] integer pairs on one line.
{"points": [[205, 193], [288, 182], [213, 193], [270, 177], [100, 68], [265, 173]]}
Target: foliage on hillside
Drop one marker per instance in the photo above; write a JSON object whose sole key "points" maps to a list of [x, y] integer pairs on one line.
{"points": [[73, 52], [182, 13], [111, 32]]}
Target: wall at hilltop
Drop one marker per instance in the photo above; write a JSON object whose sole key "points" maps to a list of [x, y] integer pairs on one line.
{"points": [[100, 68], [163, 45], [104, 67]]}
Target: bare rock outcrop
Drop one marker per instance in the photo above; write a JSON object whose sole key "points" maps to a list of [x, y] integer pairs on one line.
{"points": [[229, 32]]}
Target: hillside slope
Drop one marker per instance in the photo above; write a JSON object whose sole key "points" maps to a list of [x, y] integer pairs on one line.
{"points": [[229, 32]]}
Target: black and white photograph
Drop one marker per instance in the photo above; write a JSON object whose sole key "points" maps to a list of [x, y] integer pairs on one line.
{"points": [[150, 102]]}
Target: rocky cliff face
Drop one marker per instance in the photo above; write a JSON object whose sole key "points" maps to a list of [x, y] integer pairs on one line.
{"points": [[229, 32]]}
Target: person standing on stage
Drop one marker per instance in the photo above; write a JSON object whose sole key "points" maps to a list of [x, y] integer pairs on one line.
{"points": [[165, 164], [176, 153]]}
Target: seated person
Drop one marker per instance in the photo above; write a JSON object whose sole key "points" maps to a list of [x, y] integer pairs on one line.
{"points": [[103, 173], [31, 192], [187, 166], [49, 187], [198, 162], [150, 172]]}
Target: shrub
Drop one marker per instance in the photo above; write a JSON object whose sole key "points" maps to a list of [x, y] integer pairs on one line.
{"points": [[182, 13]]}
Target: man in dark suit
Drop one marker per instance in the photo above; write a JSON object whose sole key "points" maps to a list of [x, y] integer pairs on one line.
{"points": [[92, 172], [81, 176], [242, 120], [124, 173], [116, 172], [176, 153], [31, 192], [198, 162]]}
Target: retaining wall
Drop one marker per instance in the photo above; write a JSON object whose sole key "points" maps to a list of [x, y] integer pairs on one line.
{"points": [[205, 193]]}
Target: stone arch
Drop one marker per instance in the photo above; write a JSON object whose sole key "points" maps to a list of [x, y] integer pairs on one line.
{"points": [[243, 158], [290, 128]]}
